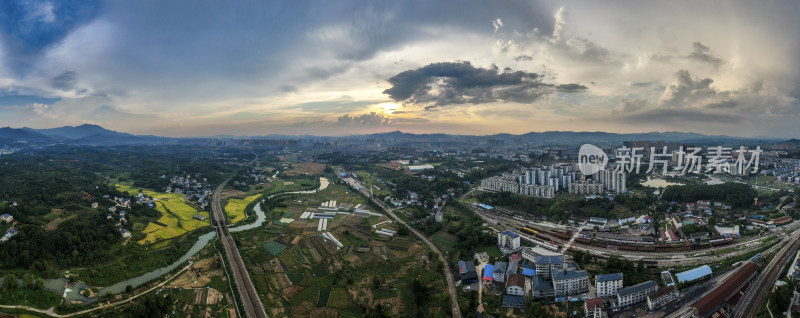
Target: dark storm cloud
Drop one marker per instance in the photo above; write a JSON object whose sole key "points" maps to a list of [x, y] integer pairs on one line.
{"points": [[447, 83], [723, 104], [65, 81]]}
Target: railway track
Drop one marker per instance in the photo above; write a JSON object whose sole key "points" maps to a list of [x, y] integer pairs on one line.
{"points": [[251, 303], [750, 303]]}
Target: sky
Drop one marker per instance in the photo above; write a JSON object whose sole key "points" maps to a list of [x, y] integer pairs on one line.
{"points": [[206, 68]]}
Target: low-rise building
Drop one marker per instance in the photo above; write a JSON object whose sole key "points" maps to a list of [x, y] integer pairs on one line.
{"points": [[546, 264], [608, 284], [570, 282], [7, 218], [499, 273], [628, 296], [515, 285], [594, 308], [467, 272], [513, 301], [697, 273], [661, 297]]}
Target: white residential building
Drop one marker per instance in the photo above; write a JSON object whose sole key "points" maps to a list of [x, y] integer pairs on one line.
{"points": [[546, 264], [508, 240], [635, 294], [608, 284], [570, 282]]}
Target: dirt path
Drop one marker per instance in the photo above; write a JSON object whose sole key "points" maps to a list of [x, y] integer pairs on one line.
{"points": [[52, 313]]}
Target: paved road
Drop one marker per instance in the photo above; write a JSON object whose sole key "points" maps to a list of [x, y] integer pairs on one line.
{"points": [[253, 307], [451, 286], [751, 301]]}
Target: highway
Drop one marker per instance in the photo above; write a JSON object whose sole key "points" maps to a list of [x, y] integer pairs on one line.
{"points": [[751, 300], [253, 307], [451, 286]]}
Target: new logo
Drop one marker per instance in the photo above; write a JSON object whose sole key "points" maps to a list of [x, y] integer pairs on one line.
{"points": [[591, 159]]}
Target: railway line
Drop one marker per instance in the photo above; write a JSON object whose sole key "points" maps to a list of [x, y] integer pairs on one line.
{"points": [[251, 303], [750, 302]]}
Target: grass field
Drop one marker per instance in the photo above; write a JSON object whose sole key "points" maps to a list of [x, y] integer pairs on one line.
{"points": [[444, 240], [176, 214], [235, 207]]}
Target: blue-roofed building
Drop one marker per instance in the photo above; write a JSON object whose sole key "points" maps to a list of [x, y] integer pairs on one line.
{"points": [[467, 272], [530, 272], [570, 282], [508, 240], [488, 272], [542, 288], [513, 301], [6, 218], [694, 274], [500, 271], [608, 284], [545, 264]]}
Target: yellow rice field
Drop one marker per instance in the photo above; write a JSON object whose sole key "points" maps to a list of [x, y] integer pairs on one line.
{"points": [[175, 214], [235, 207]]}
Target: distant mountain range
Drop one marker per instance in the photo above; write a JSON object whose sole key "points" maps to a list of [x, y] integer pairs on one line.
{"points": [[95, 135], [77, 135]]}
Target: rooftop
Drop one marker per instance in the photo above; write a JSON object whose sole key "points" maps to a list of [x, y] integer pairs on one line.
{"points": [[559, 259], [661, 292], [594, 302], [625, 291], [510, 234], [708, 304], [516, 280], [539, 283], [500, 267], [693, 274], [608, 277], [569, 274]]}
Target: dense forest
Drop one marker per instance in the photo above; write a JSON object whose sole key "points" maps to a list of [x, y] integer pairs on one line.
{"points": [[562, 207], [736, 194], [50, 192]]}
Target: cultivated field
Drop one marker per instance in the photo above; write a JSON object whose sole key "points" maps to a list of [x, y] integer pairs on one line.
{"points": [[235, 207], [177, 217]]}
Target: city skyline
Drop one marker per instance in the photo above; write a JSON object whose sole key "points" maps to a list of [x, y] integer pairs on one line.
{"points": [[318, 68]]}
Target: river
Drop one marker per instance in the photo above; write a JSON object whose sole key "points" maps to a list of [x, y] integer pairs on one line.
{"points": [[72, 292]]}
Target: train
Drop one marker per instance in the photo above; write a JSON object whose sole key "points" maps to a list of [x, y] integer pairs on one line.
{"points": [[681, 247]]}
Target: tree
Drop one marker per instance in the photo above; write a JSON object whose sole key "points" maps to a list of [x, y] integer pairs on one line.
{"points": [[578, 257], [28, 280], [9, 282]]}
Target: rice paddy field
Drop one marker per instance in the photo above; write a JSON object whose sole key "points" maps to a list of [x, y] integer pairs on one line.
{"points": [[234, 208], [177, 217]]}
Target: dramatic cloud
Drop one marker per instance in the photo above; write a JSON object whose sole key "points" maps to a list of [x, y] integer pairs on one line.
{"points": [[187, 67], [447, 83], [685, 89], [370, 119], [703, 54]]}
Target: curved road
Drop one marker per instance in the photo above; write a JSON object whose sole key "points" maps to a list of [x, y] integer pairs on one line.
{"points": [[253, 307], [451, 286]]}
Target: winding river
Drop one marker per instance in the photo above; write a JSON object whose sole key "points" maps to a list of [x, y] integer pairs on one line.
{"points": [[72, 293]]}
